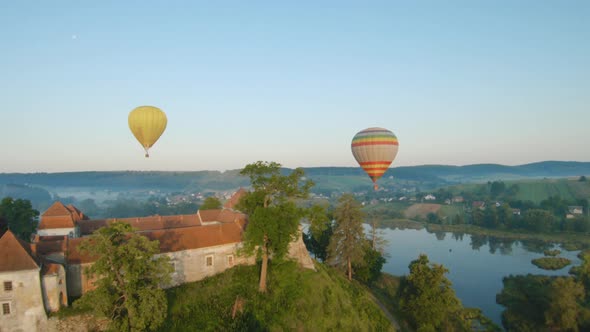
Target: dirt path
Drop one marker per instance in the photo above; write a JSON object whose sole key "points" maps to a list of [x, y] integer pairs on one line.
{"points": [[386, 312]]}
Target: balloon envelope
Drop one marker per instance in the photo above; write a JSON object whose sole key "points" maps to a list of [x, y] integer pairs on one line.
{"points": [[147, 123], [374, 149]]}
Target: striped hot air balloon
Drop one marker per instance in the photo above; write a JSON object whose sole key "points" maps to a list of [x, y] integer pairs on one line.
{"points": [[374, 149]]}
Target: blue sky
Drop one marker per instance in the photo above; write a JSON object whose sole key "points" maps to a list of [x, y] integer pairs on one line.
{"points": [[459, 82]]}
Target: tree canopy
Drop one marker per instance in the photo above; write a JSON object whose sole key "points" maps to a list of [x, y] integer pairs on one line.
{"points": [[348, 240], [211, 203], [19, 216], [129, 278], [428, 300], [319, 232], [273, 217]]}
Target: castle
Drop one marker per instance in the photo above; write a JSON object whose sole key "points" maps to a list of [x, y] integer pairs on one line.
{"points": [[39, 277]]}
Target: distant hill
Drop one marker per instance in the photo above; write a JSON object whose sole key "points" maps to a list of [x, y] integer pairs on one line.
{"points": [[327, 179]]}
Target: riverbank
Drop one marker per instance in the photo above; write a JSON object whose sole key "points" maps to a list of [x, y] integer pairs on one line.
{"points": [[568, 241]]}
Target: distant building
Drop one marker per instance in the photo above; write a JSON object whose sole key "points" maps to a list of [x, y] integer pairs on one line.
{"points": [[516, 212], [575, 210], [430, 197], [458, 199], [60, 220], [478, 205]]}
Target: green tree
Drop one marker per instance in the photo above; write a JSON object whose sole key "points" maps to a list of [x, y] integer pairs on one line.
{"points": [[538, 220], [211, 203], [477, 217], [347, 243], [433, 218], [565, 295], [582, 178], [20, 216], [497, 188], [319, 232], [129, 278], [370, 270], [273, 218], [504, 213], [427, 299], [584, 270], [458, 219], [490, 216], [378, 242]]}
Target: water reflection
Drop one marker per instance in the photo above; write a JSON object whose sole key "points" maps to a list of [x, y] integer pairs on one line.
{"points": [[477, 263], [495, 244]]}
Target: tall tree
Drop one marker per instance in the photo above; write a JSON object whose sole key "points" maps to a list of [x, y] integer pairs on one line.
{"points": [[347, 243], [490, 216], [427, 298], [504, 213], [211, 203], [378, 242], [129, 277], [319, 232], [273, 217], [20, 216]]}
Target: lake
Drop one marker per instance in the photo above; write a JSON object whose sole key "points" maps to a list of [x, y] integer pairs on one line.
{"points": [[476, 263]]}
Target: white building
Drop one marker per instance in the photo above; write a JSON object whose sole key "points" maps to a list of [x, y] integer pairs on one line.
{"points": [[21, 297]]}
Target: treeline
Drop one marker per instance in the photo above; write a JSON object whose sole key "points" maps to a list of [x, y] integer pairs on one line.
{"points": [[494, 206], [543, 303]]}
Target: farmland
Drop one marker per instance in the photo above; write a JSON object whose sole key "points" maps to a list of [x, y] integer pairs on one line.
{"points": [[537, 190]]}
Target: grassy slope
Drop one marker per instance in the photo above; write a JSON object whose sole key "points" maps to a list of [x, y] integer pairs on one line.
{"points": [[297, 300]]}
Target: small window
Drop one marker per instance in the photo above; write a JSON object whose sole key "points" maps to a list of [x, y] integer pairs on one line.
{"points": [[60, 281], [209, 260], [6, 308], [230, 260], [8, 286]]}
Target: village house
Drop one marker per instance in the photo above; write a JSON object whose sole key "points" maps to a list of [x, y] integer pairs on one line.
{"points": [[478, 205], [458, 199], [430, 197], [38, 277], [574, 211]]}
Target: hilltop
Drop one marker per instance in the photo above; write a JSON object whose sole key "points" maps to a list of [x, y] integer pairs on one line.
{"points": [[298, 299]]}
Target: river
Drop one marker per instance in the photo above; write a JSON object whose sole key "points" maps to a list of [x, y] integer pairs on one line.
{"points": [[476, 264]]}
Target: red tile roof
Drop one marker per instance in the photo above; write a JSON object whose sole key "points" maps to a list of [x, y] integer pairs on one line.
{"points": [[196, 237], [172, 240], [60, 216], [16, 254], [52, 222], [235, 199], [87, 227], [56, 209]]}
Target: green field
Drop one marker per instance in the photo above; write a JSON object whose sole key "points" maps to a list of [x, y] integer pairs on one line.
{"points": [[538, 190]]}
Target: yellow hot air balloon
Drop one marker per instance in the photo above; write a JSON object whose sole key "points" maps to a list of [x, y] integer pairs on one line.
{"points": [[147, 123], [374, 149]]}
